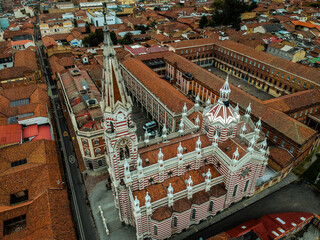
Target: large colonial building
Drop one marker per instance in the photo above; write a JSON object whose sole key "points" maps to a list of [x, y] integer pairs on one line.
{"points": [[215, 158]]}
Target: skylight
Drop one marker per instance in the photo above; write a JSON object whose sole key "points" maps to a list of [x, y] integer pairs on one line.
{"points": [[19, 162], [19, 102]]}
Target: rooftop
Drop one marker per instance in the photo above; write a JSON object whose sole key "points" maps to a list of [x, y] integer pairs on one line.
{"points": [[159, 87], [84, 98]]}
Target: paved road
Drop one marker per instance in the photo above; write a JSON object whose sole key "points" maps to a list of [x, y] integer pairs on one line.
{"points": [[298, 197], [79, 203]]}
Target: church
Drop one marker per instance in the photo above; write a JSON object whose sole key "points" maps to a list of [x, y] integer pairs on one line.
{"points": [[213, 158]]}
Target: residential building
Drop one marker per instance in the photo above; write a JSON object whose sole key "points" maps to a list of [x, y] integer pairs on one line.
{"points": [[53, 27], [293, 54], [82, 98], [96, 17]]}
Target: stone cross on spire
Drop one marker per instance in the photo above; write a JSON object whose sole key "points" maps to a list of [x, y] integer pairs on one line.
{"points": [[113, 89]]}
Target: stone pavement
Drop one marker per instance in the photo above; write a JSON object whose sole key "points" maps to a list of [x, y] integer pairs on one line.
{"points": [[100, 196]]}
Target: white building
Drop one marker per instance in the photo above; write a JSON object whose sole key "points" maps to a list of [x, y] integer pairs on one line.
{"points": [[96, 17]]}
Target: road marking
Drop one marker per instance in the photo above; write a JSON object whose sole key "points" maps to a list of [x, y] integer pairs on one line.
{"points": [[72, 159]]}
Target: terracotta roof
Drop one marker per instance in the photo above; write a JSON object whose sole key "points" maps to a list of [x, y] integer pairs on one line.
{"points": [[200, 197], [49, 41], [304, 71], [291, 128], [280, 156], [47, 208], [295, 101], [230, 145], [10, 134], [159, 87], [26, 58], [38, 101], [181, 205], [162, 213], [218, 190], [191, 43], [169, 149], [158, 191]]}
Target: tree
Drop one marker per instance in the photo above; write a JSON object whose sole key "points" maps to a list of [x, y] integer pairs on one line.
{"points": [[88, 29], [228, 12], [142, 28], [75, 23], [113, 38], [127, 39], [203, 21]]}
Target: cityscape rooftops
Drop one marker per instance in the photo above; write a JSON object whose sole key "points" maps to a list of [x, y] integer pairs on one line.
{"points": [[84, 98], [22, 103]]}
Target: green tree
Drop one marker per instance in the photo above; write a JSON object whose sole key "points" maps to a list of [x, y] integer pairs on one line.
{"points": [[127, 39], [88, 29], [113, 38], [75, 23], [228, 12], [142, 28], [203, 21]]}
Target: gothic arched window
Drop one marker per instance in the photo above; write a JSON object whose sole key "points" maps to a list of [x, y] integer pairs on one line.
{"points": [[121, 153], [127, 152]]}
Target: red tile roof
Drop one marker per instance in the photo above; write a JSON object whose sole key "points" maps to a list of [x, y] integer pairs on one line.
{"points": [[10, 134], [295, 101], [291, 128], [159, 87]]}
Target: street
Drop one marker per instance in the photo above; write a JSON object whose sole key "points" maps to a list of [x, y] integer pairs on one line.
{"points": [[78, 198], [296, 197]]}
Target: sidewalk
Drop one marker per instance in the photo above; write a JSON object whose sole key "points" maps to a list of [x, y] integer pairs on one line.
{"points": [[100, 196], [236, 207]]}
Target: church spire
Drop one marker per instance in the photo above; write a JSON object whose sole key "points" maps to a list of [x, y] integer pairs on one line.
{"points": [[113, 90], [225, 90]]}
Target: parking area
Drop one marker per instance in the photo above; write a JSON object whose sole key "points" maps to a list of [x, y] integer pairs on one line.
{"points": [[260, 94], [140, 118]]}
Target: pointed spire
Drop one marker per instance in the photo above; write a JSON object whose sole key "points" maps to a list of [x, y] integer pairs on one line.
{"points": [[197, 102], [181, 126], [180, 149], [225, 90], [170, 195], [248, 110], [160, 156], [164, 133], [243, 130], [170, 189], [146, 137], [236, 109], [236, 155], [208, 103], [197, 121], [184, 110], [113, 89], [139, 163]]}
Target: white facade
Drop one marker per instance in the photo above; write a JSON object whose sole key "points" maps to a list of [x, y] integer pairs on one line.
{"points": [[96, 18]]}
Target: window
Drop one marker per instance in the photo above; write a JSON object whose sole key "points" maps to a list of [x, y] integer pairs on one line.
{"points": [[170, 173], [282, 75], [14, 224], [19, 162], [272, 71], [299, 82], [193, 213], [175, 222], [288, 78], [19, 102], [98, 151], [85, 142], [96, 142], [311, 110], [304, 85], [100, 163], [87, 152], [230, 132], [186, 51], [277, 73], [263, 67], [301, 114], [267, 134], [295, 115], [155, 229], [246, 186], [282, 144], [19, 197], [235, 191], [151, 180], [306, 112], [211, 206], [275, 138]]}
